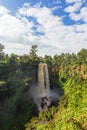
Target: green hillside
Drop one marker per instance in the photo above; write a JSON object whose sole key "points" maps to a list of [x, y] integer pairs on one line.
{"points": [[68, 75]]}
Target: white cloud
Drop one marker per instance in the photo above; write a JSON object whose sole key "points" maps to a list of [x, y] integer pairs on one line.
{"points": [[57, 35], [56, 1], [17, 34], [77, 7], [3, 10], [81, 16], [56, 8], [14, 29], [73, 8], [17, 48], [72, 1]]}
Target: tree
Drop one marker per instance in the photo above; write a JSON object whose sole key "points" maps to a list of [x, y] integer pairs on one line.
{"points": [[1, 48], [82, 56], [33, 51], [1, 51]]}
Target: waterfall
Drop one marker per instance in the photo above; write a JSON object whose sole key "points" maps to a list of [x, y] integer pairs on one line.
{"points": [[43, 80], [46, 78], [44, 86], [43, 96]]}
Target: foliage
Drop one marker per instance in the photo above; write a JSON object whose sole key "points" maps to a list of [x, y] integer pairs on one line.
{"points": [[1, 51], [66, 71], [33, 51], [71, 113]]}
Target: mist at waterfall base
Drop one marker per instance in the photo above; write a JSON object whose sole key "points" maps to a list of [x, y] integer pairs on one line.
{"points": [[41, 93], [52, 98]]}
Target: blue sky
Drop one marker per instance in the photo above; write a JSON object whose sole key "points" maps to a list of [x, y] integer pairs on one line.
{"points": [[56, 26]]}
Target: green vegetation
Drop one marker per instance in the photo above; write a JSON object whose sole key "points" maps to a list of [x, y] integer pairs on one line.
{"points": [[66, 71]]}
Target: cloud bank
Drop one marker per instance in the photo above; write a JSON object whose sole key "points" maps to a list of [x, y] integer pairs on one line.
{"points": [[38, 25]]}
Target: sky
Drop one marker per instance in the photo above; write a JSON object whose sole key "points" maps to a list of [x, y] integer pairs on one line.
{"points": [[55, 26]]}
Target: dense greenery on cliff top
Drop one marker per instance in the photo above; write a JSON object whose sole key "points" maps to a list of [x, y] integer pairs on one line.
{"points": [[17, 73]]}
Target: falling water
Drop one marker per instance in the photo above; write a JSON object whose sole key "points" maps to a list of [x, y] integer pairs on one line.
{"points": [[44, 86], [41, 93], [43, 80]]}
